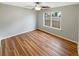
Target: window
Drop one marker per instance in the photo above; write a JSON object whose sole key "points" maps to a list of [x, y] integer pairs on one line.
{"points": [[52, 19], [47, 19]]}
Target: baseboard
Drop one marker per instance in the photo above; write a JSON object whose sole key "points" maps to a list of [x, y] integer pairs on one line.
{"points": [[58, 36], [12, 36], [17, 34], [41, 30]]}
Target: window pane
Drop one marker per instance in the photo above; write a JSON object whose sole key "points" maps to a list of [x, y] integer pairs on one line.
{"points": [[47, 19], [55, 24], [47, 22], [56, 19]]}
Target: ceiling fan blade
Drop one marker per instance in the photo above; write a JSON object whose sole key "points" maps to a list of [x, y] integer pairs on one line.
{"points": [[45, 6]]}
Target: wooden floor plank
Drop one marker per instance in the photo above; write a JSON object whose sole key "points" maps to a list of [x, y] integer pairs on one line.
{"points": [[0, 51], [38, 43]]}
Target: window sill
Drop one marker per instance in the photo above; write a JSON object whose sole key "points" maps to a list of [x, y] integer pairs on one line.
{"points": [[52, 27]]}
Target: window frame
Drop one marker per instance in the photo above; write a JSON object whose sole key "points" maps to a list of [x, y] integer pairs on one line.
{"points": [[51, 21]]}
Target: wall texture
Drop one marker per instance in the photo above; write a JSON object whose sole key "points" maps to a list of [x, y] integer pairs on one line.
{"points": [[15, 20], [69, 22]]}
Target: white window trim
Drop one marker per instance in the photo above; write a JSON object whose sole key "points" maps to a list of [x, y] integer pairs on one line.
{"points": [[51, 23]]}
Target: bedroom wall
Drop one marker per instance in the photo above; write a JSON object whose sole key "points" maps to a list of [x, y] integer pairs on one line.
{"points": [[78, 28], [15, 20], [69, 22]]}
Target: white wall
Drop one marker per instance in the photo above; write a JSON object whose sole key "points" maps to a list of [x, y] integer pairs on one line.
{"points": [[78, 29], [69, 22], [15, 20]]}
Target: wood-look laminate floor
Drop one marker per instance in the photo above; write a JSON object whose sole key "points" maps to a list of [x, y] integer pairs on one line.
{"points": [[0, 51], [37, 43]]}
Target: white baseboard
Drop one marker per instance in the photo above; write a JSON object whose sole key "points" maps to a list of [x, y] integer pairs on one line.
{"points": [[16, 34], [35, 29], [59, 36]]}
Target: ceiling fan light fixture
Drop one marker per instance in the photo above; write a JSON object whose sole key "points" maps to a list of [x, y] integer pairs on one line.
{"points": [[37, 7]]}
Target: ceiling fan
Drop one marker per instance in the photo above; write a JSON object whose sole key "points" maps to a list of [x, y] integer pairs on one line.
{"points": [[38, 6]]}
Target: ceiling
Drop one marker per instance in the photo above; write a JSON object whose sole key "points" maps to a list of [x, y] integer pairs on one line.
{"points": [[50, 4]]}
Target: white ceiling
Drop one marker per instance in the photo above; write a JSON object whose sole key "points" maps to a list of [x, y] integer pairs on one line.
{"points": [[50, 4]]}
